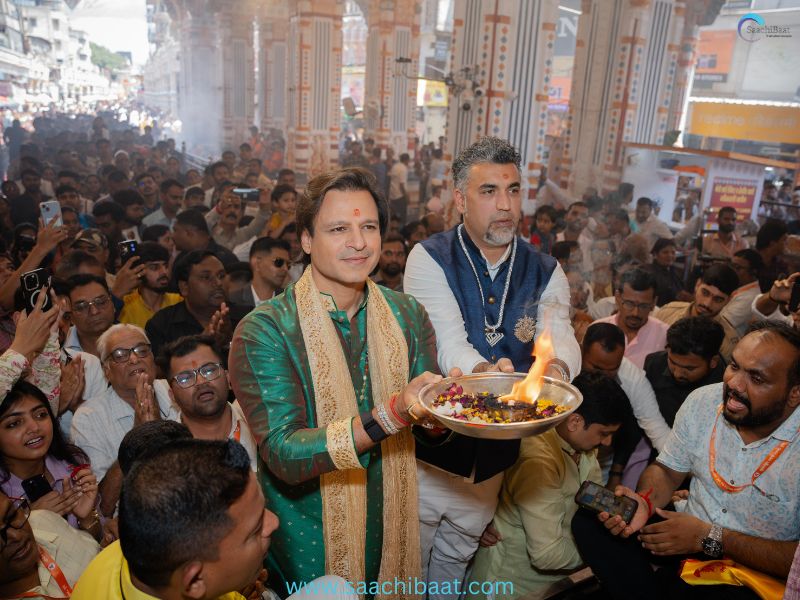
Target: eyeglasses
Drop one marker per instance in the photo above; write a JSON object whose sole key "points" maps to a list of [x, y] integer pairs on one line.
{"points": [[17, 517], [122, 355], [641, 306], [280, 262], [209, 371], [84, 305]]}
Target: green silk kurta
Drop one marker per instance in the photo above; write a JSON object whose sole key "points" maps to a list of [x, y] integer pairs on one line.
{"points": [[271, 377]]}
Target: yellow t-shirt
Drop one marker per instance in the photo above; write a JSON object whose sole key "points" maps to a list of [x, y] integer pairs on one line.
{"points": [[136, 312], [109, 577]]}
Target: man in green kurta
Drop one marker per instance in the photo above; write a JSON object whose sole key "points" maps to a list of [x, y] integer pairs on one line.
{"points": [[322, 373]]}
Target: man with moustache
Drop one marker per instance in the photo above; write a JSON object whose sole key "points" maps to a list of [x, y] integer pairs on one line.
{"points": [[712, 292], [392, 262], [200, 385], [223, 219], [151, 296], [738, 440], [199, 276], [724, 243], [489, 295]]}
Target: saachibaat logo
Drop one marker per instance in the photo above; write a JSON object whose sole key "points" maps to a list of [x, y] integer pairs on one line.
{"points": [[750, 27]]}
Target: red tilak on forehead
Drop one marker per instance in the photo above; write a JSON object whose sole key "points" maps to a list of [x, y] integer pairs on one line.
{"points": [[356, 212]]}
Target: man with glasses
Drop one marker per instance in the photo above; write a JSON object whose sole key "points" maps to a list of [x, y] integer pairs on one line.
{"points": [[636, 297], [134, 397], [200, 387], [199, 275], [28, 539], [269, 262], [92, 312]]}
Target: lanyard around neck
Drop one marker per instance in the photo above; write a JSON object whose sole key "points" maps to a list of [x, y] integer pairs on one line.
{"points": [[770, 459], [56, 573]]}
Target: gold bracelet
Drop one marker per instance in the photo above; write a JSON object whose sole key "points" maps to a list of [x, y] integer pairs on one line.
{"points": [[95, 520]]}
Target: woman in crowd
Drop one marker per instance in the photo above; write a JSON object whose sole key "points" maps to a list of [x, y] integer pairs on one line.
{"points": [[36, 462]]}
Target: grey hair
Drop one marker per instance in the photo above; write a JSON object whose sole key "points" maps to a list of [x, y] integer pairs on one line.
{"points": [[485, 150], [102, 341]]}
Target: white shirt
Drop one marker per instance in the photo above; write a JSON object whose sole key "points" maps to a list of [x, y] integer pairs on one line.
{"points": [[101, 422], [242, 251], [585, 242], [425, 280], [398, 175], [776, 316], [634, 383], [602, 308], [95, 383], [738, 310], [642, 398], [654, 228]]}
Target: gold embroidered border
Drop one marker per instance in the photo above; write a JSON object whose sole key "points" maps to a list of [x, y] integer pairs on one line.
{"points": [[340, 445]]}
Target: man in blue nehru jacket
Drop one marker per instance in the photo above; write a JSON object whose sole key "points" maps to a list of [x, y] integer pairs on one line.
{"points": [[489, 294]]}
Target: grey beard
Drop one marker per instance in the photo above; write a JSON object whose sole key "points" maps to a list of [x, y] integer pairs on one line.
{"points": [[497, 238]]}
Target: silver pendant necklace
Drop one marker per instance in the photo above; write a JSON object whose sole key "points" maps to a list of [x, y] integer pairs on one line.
{"points": [[492, 335]]}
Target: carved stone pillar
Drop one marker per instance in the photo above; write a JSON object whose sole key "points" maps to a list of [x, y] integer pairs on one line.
{"points": [[199, 93], [503, 62], [629, 82], [314, 79], [237, 73], [272, 56], [390, 97]]}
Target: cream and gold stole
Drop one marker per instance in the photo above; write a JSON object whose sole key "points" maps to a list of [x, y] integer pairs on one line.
{"points": [[344, 491]]}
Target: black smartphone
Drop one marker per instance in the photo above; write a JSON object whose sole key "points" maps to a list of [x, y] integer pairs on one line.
{"points": [[247, 194], [127, 249], [794, 301], [596, 498], [33, 282], [35, 487]]}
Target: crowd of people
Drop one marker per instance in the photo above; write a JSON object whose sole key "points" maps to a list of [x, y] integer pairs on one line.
{"points": [[210, 379]]}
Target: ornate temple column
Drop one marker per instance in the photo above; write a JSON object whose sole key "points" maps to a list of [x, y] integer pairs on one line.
{"points": [[237, 73], [502, 61], [199, 91], [629, 82], [314, 79], [390, 90], [696, 14], [272, 54]]}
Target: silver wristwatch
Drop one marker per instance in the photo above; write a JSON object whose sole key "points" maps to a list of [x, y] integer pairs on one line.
{"points": [[712, 544]]}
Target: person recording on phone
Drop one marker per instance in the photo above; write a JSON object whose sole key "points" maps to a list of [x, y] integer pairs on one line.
{"points": [[530, 536], [47, 239], [223, 219], [738, 440], [151, 295]]}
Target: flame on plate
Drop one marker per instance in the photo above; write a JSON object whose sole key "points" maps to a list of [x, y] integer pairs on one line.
{"points": [[528, 389]]}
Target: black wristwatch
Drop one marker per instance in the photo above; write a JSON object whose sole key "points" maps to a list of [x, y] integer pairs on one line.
{"points": [[373, 428], [712, 544]]}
